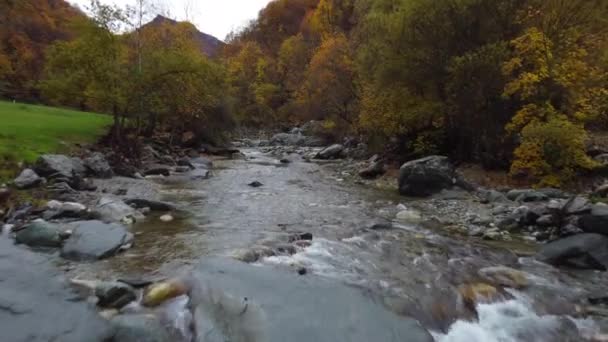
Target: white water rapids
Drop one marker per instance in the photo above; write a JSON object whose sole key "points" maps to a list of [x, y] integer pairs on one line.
{"points": [[513, 320]]}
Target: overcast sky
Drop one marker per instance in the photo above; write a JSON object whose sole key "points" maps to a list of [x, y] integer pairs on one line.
{"points": [[215, 17]]}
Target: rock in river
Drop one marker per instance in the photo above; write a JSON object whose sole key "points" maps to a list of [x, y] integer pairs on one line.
{"points": [[586, 251], [40, 234], [139, 328], [233, 301], [94, 240], [505, 276], [153, 205], [28, 179], [426, 176], [109, 294], [596, 221], [110, 209], [35, 305], [157, 170]]}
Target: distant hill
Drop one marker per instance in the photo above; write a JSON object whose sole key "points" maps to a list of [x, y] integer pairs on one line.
{"points": [[209, 45]]}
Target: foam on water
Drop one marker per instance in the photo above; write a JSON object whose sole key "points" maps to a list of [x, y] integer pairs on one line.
{"points": [[327, 258], [516, 321]]}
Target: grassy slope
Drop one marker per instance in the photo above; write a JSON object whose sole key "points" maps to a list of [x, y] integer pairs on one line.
{"points": [[27, 131]]}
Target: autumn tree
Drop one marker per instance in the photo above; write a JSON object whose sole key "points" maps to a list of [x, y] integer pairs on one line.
{"points": [[92, 69], [329, 88], [28, 28], [555, 77]]}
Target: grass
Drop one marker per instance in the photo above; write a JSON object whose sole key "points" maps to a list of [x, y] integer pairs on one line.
{"points": [[27, 131]]}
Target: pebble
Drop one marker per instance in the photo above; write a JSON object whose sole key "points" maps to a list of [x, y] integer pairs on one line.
{"points": [[166, 218]]}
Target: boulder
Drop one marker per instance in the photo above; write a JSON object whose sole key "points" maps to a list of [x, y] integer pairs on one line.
{"points": [[40, 234], [199, 174], [478, 293], [94, 240], [596, 221], [553, 193], [139, 328], [28, 178], [374, 169], [157, 170], [37, 306], [505, 276], [526, 195], [153, 205], [233, 301], [110, 209], [114, 295], [493, 196], [57, 209], [331, 152], [546, 221], [57, 165], [576, 206], [158, 293], [97, 166], [110, 295], [426, 176], [586, 251]]}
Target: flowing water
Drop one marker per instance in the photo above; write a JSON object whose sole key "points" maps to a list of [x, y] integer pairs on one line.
{"points": [[415, 270]]}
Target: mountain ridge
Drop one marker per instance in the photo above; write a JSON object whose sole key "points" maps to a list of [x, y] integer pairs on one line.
{"points": [[209, 44]]}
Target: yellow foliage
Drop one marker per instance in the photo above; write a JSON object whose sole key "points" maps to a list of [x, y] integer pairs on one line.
{"points": [[551, 152]]}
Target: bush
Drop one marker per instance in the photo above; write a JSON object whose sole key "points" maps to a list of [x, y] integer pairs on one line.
{"points": [[551, 152]]}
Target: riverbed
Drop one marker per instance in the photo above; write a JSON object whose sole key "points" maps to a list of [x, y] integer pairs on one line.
{"points": [[413, 269]]}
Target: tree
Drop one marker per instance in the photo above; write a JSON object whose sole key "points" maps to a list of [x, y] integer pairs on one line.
{"points": [[559, 86], [251, 79], [329, 89], [28, 28], [92, 69]]}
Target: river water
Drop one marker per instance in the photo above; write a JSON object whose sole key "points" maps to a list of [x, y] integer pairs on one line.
{"points": [[415, 270]]}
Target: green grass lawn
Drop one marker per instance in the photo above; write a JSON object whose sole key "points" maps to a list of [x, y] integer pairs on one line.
{"points": [[26, 131]]}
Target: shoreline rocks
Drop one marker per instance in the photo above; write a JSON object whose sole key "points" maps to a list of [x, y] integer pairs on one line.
{"points": [[27, 179]]}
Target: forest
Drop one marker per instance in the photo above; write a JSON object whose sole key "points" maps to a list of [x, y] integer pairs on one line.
{"points": [[517, 85]]}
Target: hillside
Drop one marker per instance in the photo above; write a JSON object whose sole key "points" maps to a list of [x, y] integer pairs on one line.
{"points": [[209, 45], [28, 29]]}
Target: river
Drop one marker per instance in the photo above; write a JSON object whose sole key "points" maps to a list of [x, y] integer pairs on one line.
{"points": [[414, 270]]}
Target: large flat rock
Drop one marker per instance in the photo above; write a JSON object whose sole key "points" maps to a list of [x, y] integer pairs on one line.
{"points": [[93, 240], [240, 302], [36, 306]]}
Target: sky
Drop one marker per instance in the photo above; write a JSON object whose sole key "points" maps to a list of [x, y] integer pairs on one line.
{"points": [[214, 17]]}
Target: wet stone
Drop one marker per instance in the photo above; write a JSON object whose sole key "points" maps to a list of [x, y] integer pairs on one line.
{"points": [[255, 184]]}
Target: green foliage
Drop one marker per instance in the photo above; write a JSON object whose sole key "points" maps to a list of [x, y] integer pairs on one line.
{"points": [[157, 77]]}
